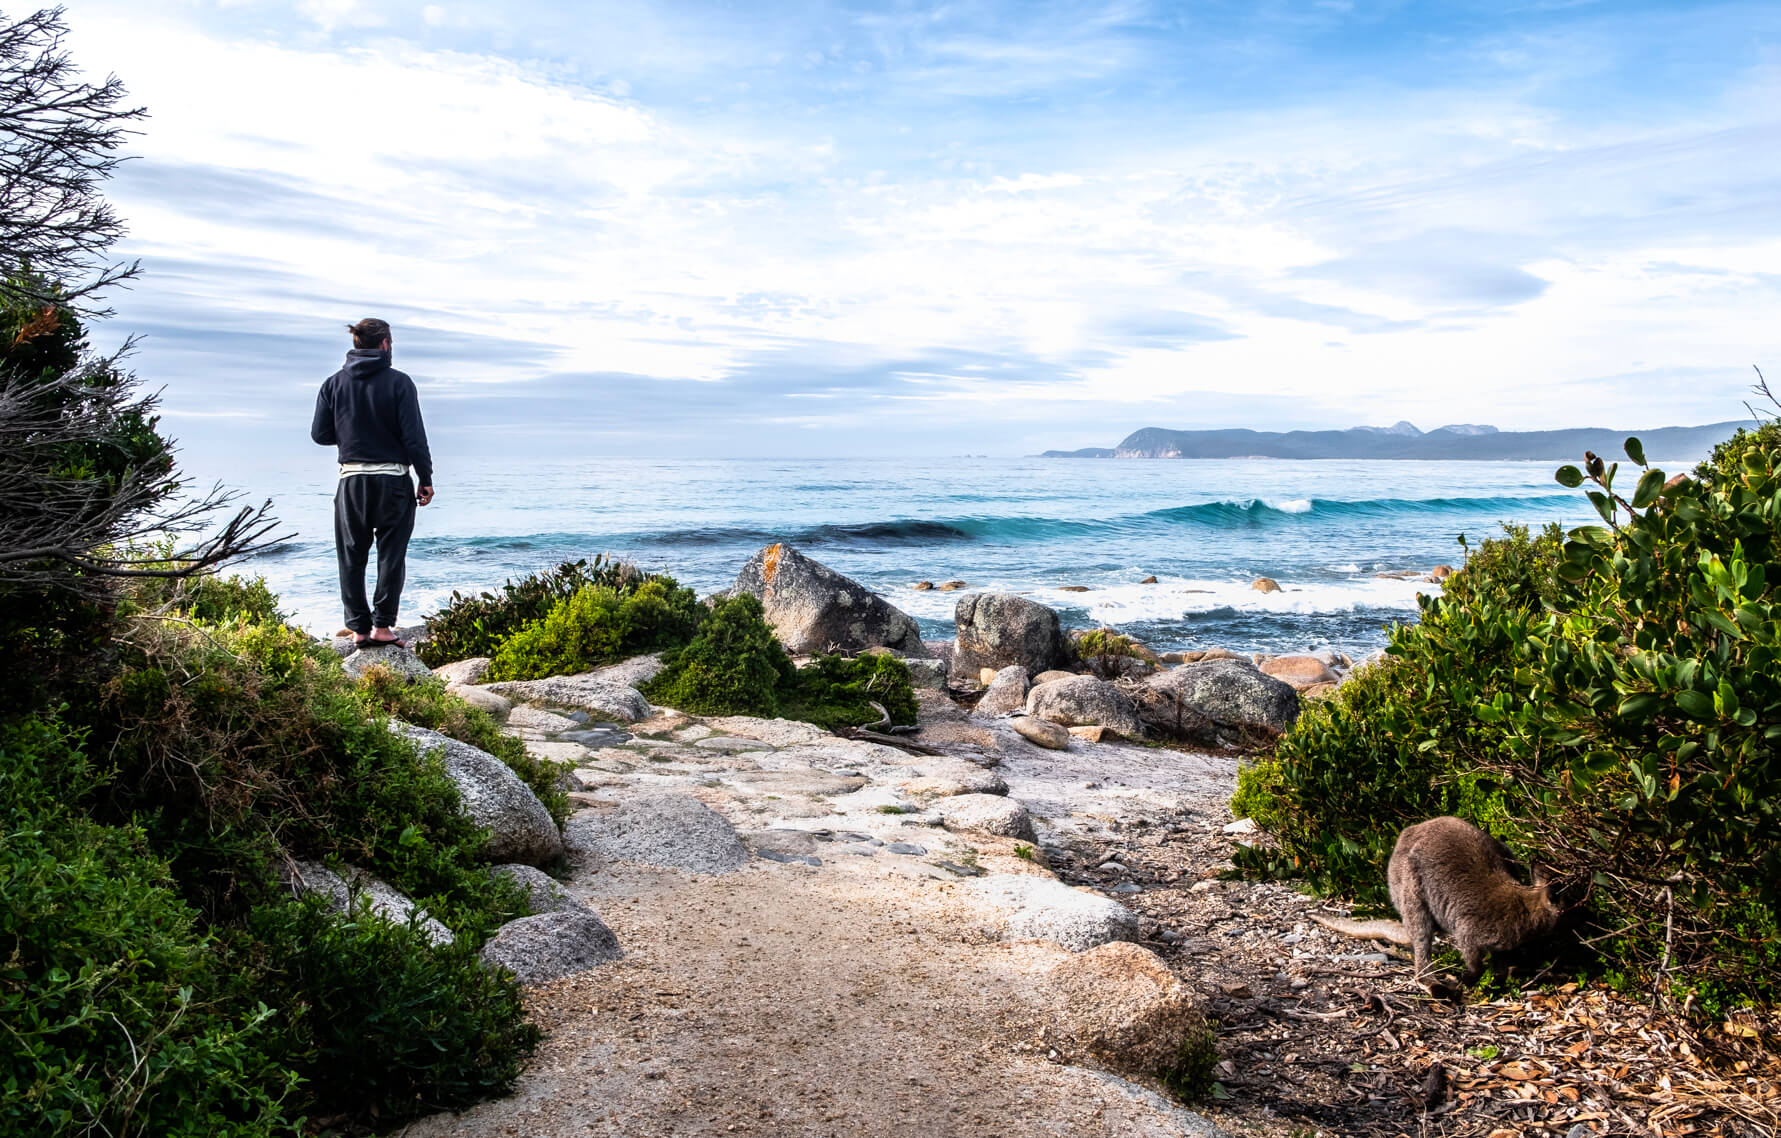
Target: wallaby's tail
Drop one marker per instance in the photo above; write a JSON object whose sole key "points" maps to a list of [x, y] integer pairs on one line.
{"points": [[1391, 932]]}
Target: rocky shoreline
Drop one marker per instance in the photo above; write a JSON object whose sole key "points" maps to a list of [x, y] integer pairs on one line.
{"points": [[813, 850]]}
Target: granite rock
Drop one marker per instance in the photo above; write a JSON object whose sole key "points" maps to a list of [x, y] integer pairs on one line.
{"points": [[812, 608], [549, 946], [1085, 701], [520, 828], [995, 630]]}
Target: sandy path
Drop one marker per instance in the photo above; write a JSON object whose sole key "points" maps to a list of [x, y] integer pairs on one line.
{"points": [[850, 1000], [868, 996]]}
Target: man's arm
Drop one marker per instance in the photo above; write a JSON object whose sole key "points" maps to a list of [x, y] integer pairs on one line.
{"points": [[322, 429], [414, 439]]}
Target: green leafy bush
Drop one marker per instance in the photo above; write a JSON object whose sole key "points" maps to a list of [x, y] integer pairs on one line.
{"points": [[238, 744], [1106, 642], [108, 987], [210, 599], [599, 626], [733, 666], [1726, 462], [381, 1023], [477, 625], [1107, 653], [1607, 705], [838, 691]]}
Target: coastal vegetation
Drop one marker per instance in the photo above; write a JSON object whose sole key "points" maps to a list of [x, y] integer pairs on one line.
{"points": [[478, 624], [170, 750], [720, 658], [1606, 701]]}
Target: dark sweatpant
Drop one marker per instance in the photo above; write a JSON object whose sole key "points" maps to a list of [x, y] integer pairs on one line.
{"points": [[367, 508]]}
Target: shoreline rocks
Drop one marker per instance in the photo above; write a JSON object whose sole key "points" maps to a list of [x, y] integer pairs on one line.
{"points": [[520, 828], [1301, 672], [1042, 732], [996, 630], [400, 661], [672, 831], [1084, 701], [584, 691], [549, 946], [1044, 908], [1216, 701], [1119, 1004], [814, 609], [1006, 693]]}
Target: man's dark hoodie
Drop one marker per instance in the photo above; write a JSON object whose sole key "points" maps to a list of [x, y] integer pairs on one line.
{"points": [[370, 410]]}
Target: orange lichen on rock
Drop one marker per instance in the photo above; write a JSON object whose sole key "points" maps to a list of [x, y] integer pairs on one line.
{"points": [[770, 562]]}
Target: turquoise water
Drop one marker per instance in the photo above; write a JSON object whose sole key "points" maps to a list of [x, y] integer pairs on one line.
{"points": [[1205, 529]]}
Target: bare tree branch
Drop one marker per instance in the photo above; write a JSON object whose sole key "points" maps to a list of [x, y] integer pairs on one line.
{"points": [[59, 142], [54, 518]]}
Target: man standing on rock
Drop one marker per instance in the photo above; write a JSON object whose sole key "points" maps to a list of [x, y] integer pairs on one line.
{"points": [[371, 412]]}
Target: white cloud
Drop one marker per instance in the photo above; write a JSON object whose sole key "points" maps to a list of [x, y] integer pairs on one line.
{"points": [[1481, 255]]}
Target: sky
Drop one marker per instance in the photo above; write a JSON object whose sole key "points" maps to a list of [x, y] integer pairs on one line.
{"points": [[820, 229]]}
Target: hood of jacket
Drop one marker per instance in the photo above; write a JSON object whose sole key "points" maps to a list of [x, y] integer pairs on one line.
{"points": [[363, 363]]}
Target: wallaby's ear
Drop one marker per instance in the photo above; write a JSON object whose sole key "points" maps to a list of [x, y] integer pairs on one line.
{"points": [[1543, 878]]}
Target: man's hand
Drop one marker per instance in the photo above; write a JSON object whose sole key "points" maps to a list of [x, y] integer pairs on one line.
{"points": [[425, 495]]}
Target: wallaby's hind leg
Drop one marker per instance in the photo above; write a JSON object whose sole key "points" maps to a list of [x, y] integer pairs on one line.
{"points": [[1413, 910]]}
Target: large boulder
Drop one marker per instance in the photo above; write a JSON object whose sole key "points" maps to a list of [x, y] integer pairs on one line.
{"points": [[1216, 701], [999, 629], [496, 705], [469, 671], [400, 661], [1119, 1005], [1085, 701], [552, 945], [584, 691], [520, 828], [927, 673], [1029, 907], [631, 673], [543, 892], [813, 609], [675, 831], [1006, 693], [306, 877], [986, 812]]}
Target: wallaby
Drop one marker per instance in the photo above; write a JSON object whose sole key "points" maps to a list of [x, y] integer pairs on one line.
{"points": [[1449, 875]]}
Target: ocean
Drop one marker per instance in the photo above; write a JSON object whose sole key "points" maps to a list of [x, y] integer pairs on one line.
{"points": [[1326, 531]]}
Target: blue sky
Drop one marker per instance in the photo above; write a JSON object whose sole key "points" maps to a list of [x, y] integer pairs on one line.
{"points": [[822, 229]]}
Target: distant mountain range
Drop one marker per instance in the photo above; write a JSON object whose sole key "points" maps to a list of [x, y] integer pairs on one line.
{"points": [[1467, 441]]}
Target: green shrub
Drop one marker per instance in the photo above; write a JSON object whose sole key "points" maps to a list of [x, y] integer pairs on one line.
{"points": [[1106, 642], [1106, 652], [238, 744], [599, 626], [427, 703], [211, 599], [381, 1023], [1726, 463], [1607, 705], [733, 666], [477, 625], [108, 988], [838, 691]]}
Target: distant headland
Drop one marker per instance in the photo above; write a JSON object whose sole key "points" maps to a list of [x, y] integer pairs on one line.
{"points": [[1457, 441]]}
